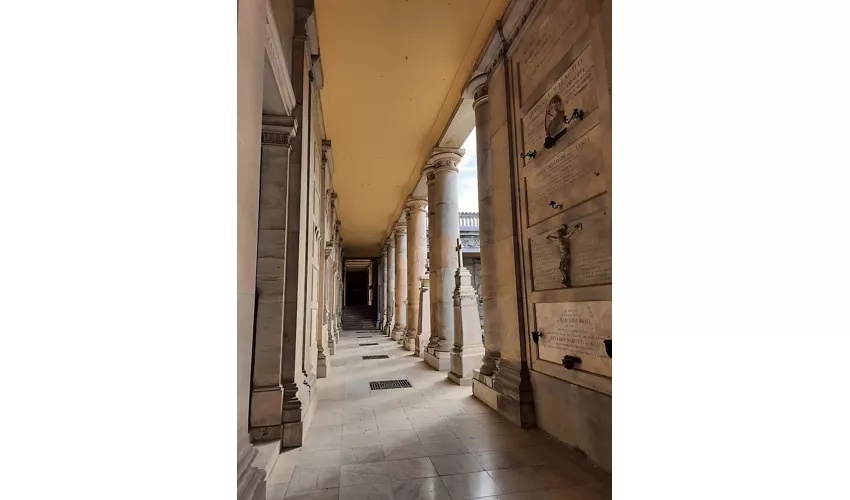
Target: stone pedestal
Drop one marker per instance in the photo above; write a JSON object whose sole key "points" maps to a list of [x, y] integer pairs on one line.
{"points": [[482, 388], [421, 343], [400, 230], [438, 360], [468, 350]]}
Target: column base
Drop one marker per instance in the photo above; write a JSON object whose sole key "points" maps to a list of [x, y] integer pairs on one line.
{"points": [[322, 365], [409, 344], [438, 360], [482, 388], [397, 334], [420, 346], [462, 365], [514, 395], [292, 435]]}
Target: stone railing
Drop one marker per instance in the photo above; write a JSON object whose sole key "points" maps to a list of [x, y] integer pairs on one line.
{"points": [[468, 220]]}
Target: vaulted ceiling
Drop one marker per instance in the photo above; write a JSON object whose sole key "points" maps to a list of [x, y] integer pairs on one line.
{"points": [[393, 71]]}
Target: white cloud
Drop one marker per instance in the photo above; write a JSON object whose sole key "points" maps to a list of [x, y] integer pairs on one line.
{"points": [[468, 177]]}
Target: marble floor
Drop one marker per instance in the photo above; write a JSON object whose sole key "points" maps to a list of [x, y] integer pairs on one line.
{"points": [[434, 441]]}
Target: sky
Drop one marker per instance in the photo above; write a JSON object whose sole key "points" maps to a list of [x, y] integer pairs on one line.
{"points": [[468, 177]]}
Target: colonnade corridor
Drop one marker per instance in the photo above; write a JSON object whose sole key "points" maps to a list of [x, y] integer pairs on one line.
{"points": [[433, 441]]}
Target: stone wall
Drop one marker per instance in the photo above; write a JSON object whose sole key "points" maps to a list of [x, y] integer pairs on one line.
{"points": [[542, 98]]}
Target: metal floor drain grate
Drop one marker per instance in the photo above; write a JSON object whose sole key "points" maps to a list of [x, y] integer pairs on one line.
{"points": [[369, 343], [365, 337], [379, 356], [389, 384]]}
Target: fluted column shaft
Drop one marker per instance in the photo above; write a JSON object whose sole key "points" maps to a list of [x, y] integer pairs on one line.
{"points": [[416, 247], [400, 230], [444, 230]]}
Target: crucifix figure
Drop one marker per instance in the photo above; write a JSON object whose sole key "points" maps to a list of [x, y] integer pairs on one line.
{"points": [[562, 237], [459, 249]]}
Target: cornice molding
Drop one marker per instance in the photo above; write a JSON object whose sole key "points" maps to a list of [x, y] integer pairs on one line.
{"points": [[279, 64]]}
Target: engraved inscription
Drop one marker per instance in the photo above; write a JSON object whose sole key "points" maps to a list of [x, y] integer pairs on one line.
{"points": [[553, 33], [573, 90], [575, 329], [589, 255], [570, 177], [545, 262]]}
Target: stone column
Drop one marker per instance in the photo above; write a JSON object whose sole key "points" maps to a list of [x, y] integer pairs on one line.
{"points": [[415, 214], [486, 225], [424, 317], [390, 246], [468, 349], [400, 230], [444, 227], [382, 317], [269, 375]]}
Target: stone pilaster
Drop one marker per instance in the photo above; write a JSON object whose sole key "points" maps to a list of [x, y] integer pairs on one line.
{"points": [[415, 214], [468, 349], [270, 374], [400, 231], [444, 228], [424, 317], [322, 362], [391, 288], [489, 269]]}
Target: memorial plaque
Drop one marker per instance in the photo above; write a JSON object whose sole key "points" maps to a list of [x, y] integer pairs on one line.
{"points": [[567, 179], [575, 329], [576, 254], [573, 90], [552, 34]]}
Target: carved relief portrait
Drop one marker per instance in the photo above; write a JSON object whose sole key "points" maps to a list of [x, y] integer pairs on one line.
{"points": [[554, 116]]}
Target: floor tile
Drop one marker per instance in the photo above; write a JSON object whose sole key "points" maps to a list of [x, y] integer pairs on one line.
{"points": [[325, 494], [377, 491], [524, 479], [475, 484], [398, 452], [306, 478], [359, 426], [451, 446], [360, 455], [395, 441], [404, 436], [420, 489], [280, 473], [447, 465], [354, 475], [367, 438], [275, 491], [411, 468]]}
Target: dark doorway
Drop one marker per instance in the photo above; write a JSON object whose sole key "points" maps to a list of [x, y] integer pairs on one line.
{"points": [[357, 288]]}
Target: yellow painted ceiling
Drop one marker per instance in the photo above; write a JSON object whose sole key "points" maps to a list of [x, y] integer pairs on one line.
{"points": [[394, 71]]}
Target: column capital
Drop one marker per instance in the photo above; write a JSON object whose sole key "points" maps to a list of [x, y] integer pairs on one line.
{"points": [[400, 228], [415, 203], [477, 89], [278, 130], [428, 173], [446, 158]]}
